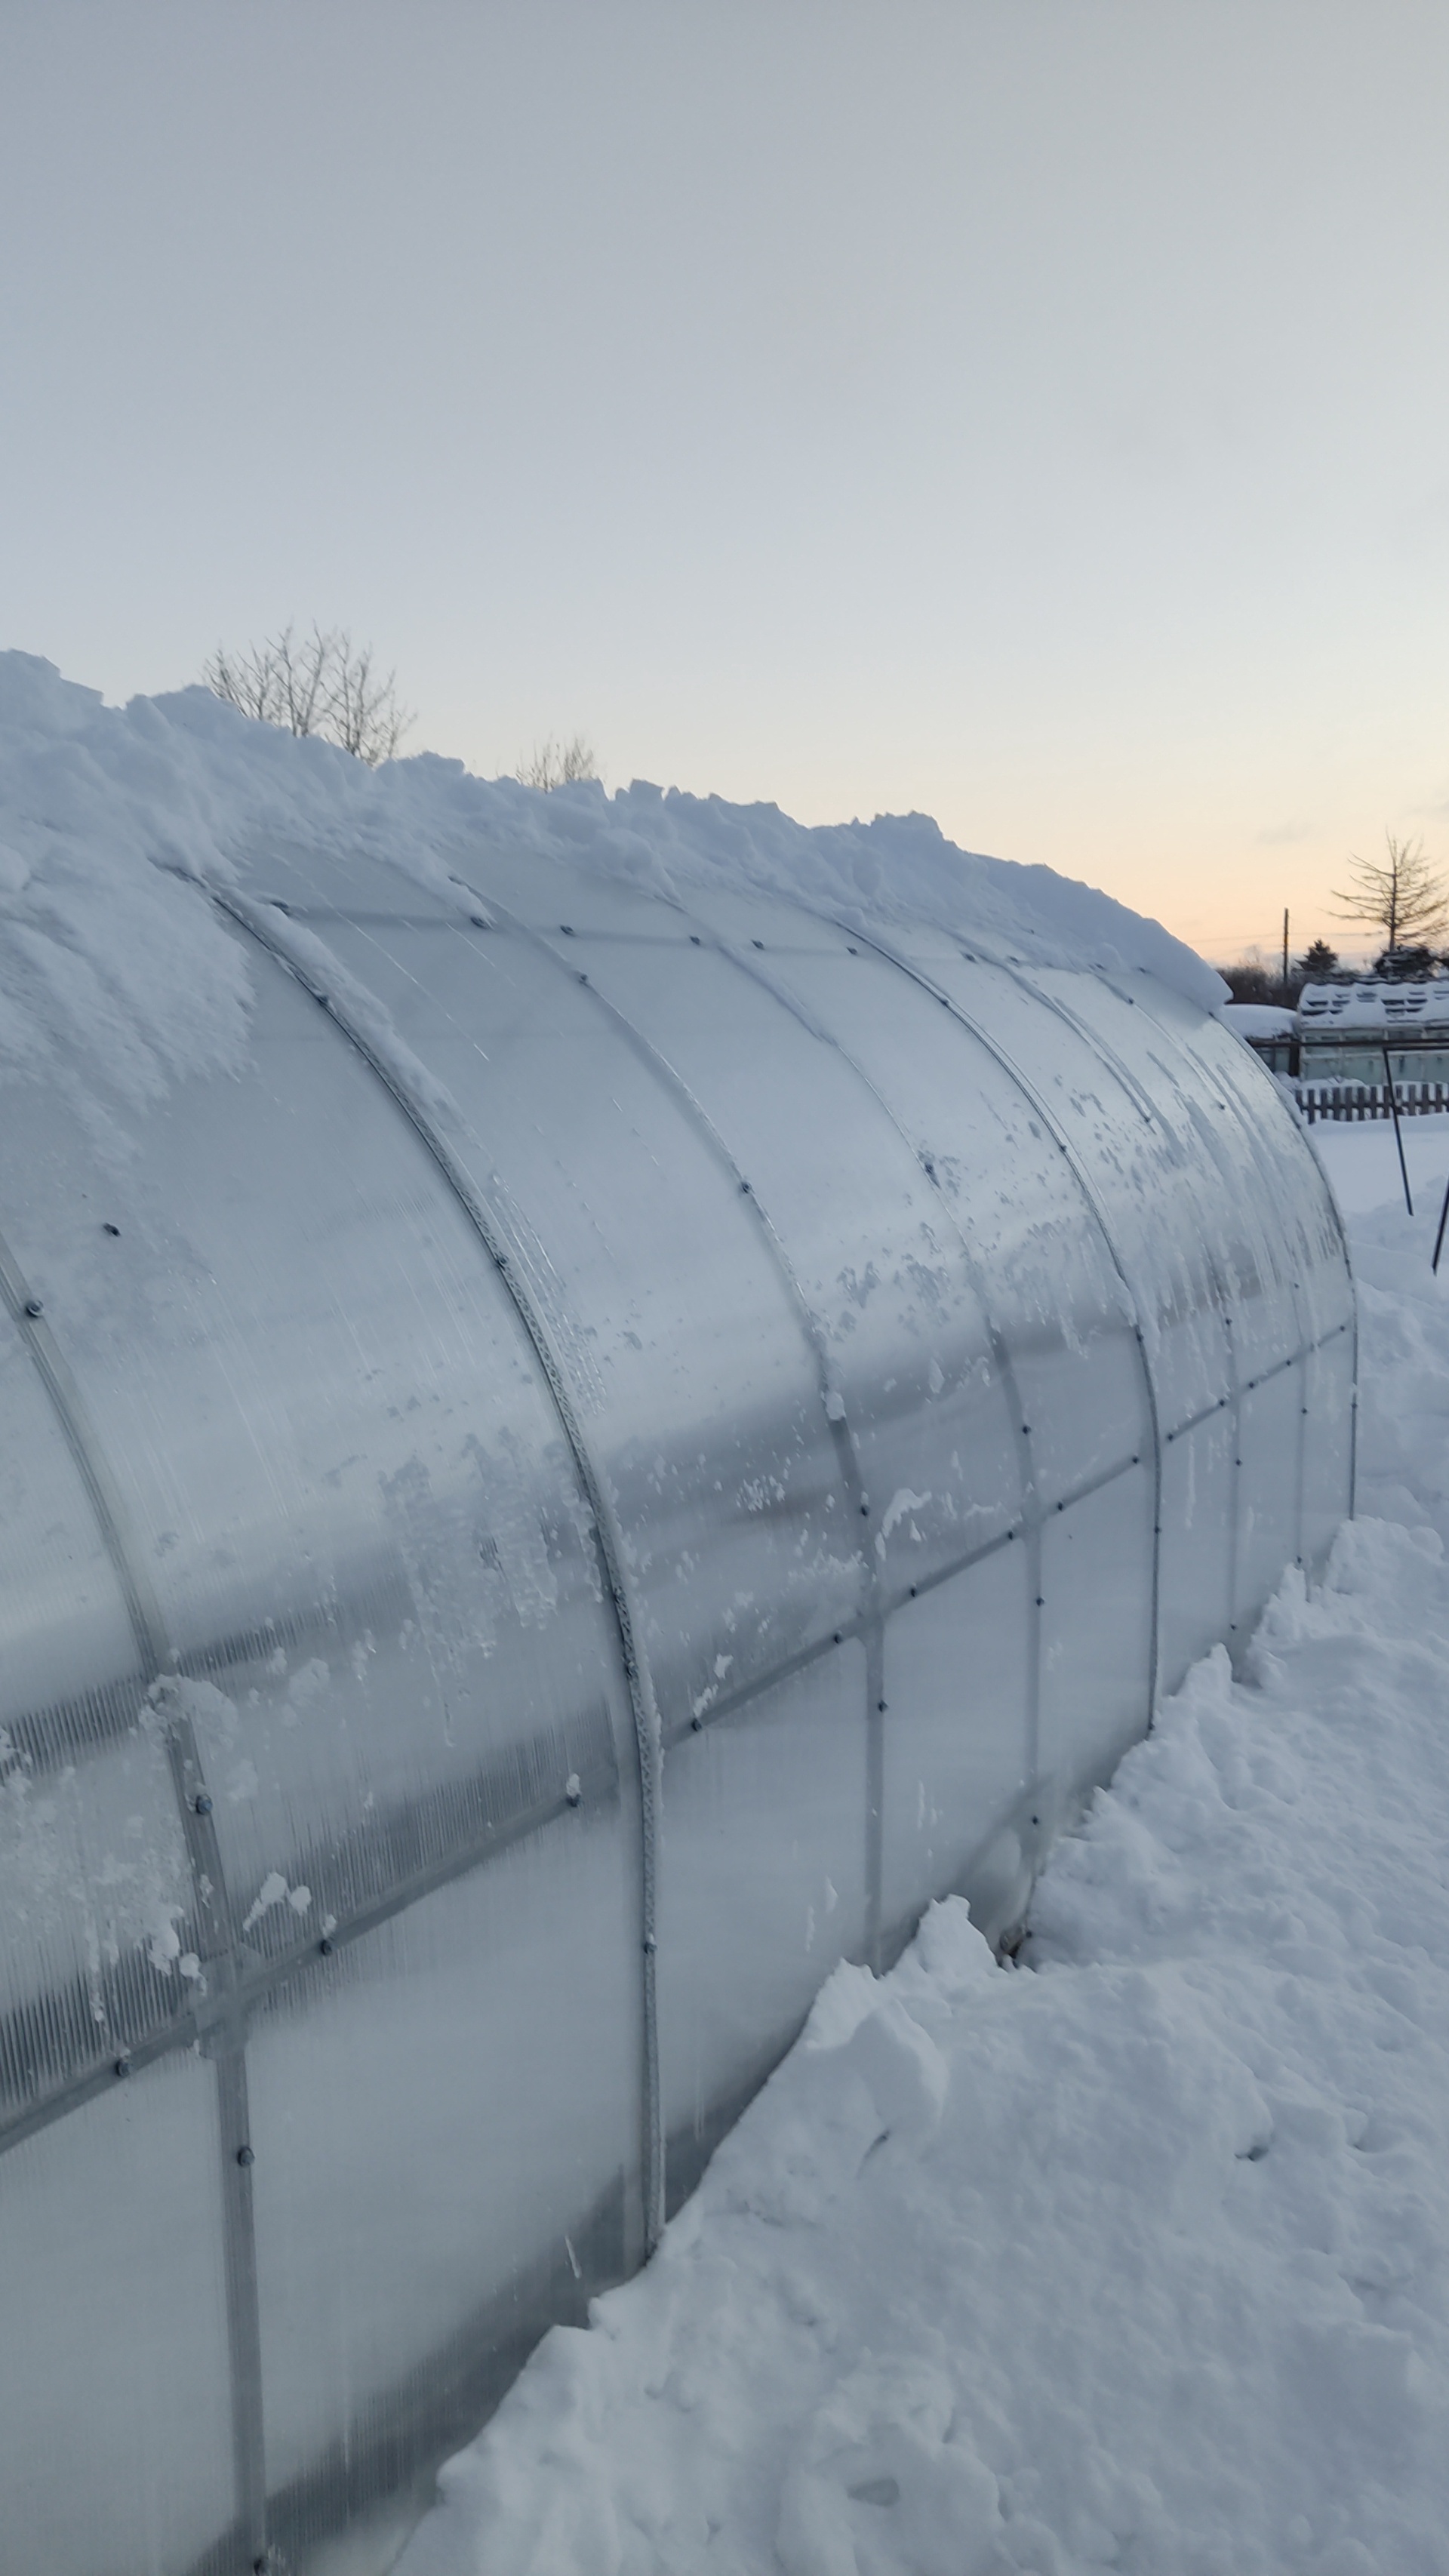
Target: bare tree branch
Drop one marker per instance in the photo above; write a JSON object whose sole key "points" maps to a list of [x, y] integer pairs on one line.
{"points": [[1402, 895], [558, 764], [318, 686]]}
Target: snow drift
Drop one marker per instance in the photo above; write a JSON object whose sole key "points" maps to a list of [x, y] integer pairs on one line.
{"points": [[107, 957]]}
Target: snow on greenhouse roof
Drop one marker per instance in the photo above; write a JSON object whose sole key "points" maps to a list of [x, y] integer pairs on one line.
{"points": [[111, 956], [1257, 1020]]}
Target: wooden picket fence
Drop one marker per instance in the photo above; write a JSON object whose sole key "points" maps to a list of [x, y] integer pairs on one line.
{"points": [[1370, 1099]]}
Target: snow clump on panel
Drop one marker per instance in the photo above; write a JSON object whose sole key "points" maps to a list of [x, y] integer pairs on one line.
{"points": [[114, 820]]}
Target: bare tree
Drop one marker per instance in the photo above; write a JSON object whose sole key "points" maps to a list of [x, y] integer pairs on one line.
{"points": [[1400, 894], [365, 716], [320, 685], [558, 764], [247, 681]]}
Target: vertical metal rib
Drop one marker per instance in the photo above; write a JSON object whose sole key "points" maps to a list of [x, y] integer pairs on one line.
{"points": [[210, 1910], [268, 927]]}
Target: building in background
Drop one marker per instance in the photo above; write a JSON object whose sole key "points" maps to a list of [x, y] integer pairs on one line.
{"points": [[1344, 1027]]}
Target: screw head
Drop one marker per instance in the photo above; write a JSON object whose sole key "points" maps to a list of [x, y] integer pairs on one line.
{"points": [[33, 1307], [202, 1803], [244, 2156], [122, 2066], [325, 1947]]}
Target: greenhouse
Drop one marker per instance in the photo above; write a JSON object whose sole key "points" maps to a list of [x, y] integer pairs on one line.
{"points": [[631, 1440]]}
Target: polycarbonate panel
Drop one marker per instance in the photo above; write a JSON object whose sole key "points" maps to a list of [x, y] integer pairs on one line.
{"points": [[446, 2117], [345, 1475], [95, 1905], [1296, 1239], [1131, 1132], [1328, 1398], [686, 1352], [64, 1632], [115, 2413], [1195, 1557], [881, 1271], [1270, 1454], [93, 1874], [956, 1749], [1046, 1275], [762, 1888], [1096, 1632], [1235, 1237], [787, 1225]]}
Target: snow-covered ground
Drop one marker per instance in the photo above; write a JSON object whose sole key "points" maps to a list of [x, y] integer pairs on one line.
{"points": [[1136, 2254]]}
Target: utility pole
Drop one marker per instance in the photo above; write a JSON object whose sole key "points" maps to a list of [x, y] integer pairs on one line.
{"points": [[1285, 947]]}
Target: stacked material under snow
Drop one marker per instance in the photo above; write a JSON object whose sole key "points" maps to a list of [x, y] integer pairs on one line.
{"points": [[105, 813], [1136, 2256]]}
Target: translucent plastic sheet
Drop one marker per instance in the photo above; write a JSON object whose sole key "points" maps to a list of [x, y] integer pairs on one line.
{"points": [[881, 1274], [1296, 1239], [343, 1472], [1096, 1633], [956, 1743], [1246, 1263], [763, 1873], [1051, 1291], [684, 1346], [64, 1630], [94, 1887], [1270, 1472], [1195, 1555], [115, 2409], [928, 1359], [445, 2116], [1123, 1117], [1328, 1399]]}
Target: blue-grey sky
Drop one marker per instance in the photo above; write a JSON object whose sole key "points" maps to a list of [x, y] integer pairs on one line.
{"points": [[1032, 411]]}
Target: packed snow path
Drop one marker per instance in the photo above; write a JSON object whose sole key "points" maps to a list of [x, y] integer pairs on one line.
{"points": [[1135, 2255]]}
